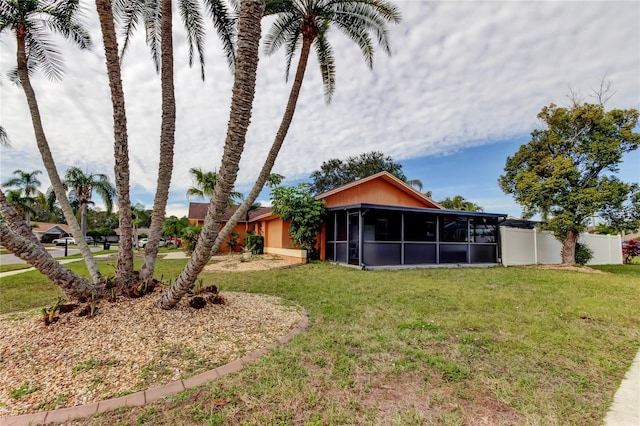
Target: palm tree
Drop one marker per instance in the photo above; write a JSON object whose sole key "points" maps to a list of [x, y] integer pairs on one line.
{"points": [[249, 28], [205, 185], [17, 236], [29, 21], [125, 274], [27, 184], [306, 23], [156, 13], [460, 203], [81, 187]]}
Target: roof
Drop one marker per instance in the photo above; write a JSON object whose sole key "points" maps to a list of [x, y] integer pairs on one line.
{"points": [[389, 178], [198, 211], [45, 227], [419, 210]]}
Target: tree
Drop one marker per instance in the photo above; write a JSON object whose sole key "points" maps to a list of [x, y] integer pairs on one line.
{"points": [[173, 226], [460, 203], [26, 185], [17, 236], [125, 274], [205, 185], [304, 212], [29, 20], [158, 16], [335, 172], [566, 171], [81, 187], [306, 24], [249, 27], [624, 216]]}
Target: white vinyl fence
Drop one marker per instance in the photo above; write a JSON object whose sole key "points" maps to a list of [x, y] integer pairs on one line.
{"points": [[532, 247]]}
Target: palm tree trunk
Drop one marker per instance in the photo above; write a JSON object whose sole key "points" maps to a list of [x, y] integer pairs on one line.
{"points": [[15, 221], [124, 269], [84, 210], [73, 285], [47, 158], [167, 141], [287, 118], [240, 116]]}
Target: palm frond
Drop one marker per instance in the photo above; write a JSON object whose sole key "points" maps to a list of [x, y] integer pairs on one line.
{"points": [[152, 16], [41, 54], [326, 59], [225, 24], [4, 137], [281, 30], [128, 12], [194, 25], [65, 17]]}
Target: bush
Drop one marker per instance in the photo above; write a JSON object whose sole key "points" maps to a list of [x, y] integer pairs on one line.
{"points": [[255, 243], [583, 254], [630, 249]]}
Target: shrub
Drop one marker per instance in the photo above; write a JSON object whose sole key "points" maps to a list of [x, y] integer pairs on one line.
{"points": [[630, 249], [583, 254], [255, 243]]}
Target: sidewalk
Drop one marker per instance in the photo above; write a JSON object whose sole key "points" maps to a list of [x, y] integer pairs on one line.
{"points": [[625, 410]]}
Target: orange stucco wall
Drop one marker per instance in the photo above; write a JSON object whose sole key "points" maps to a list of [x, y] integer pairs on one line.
{"points": [[240, 229], [375, 191]]}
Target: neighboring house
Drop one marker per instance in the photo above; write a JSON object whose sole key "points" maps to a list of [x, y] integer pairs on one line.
{"points": [[47, 232], [382, 221], [198, 211]]}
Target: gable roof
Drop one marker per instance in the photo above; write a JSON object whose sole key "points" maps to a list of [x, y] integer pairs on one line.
{"points": [[55, 228], [198, 211], [390, 181]]}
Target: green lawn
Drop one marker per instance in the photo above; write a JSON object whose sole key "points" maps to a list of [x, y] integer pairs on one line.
{"points": [[433, 346]]}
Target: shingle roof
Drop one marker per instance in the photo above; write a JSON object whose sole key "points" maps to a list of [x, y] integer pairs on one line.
{"points": [[198, 211]]}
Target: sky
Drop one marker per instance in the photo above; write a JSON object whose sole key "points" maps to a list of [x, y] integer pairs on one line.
{"points": [[459, 94]]}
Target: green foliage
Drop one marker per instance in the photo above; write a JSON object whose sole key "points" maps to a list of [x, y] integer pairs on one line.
{"points": [[304, 212], [623, 216], [232, 241], [25, 389], [255, 243], [334, 172], [190, 236], [566, 171], [460, 203], [583, 254]]}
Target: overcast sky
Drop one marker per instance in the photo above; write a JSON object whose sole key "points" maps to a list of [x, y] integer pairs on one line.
{"points": [[459, 94]]}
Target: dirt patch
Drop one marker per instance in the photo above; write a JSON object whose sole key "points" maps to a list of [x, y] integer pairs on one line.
{"points": [[247, 263], [560, 267]]}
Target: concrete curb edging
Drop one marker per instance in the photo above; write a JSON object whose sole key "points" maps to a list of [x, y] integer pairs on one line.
{"points": [[151, 395]]}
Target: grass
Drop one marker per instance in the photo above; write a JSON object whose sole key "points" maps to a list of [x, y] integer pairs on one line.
{"points": [[434, 346]]}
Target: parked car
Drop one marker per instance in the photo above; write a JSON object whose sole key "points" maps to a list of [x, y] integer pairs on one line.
{"points": [[142, 242], [64, 241], [175, 241], [89, 239]]}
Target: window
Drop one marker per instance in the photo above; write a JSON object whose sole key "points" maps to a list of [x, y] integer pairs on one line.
{"points": [[382, 225], [483, 230], [453, 229], [419, 227]]}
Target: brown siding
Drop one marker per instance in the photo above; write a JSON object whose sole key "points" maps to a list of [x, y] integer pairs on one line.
{"points": [[375, 191]]}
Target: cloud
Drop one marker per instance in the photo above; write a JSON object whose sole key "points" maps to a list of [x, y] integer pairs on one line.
{"points": [[462, 74]]}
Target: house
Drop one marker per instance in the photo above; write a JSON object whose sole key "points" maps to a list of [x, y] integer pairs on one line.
{"points": [[198, 211], [47, 232], [380, 221]]}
